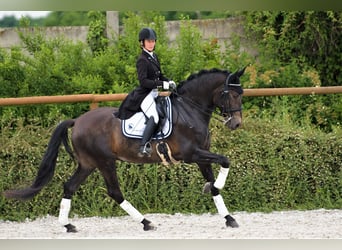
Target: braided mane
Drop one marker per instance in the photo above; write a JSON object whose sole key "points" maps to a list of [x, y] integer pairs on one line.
{"points": [[199, 74]]}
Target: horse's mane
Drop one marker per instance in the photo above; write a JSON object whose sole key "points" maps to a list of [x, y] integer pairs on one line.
{"points": [[201, 73]]}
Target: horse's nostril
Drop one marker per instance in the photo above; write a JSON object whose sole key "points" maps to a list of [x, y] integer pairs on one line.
{"points": [[235, 125]]}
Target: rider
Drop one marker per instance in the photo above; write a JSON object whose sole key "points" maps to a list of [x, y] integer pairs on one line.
{"points": [[143, 97]]}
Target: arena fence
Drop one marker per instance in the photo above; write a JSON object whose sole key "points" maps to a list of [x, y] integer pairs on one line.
{"points": [[95, 99]]}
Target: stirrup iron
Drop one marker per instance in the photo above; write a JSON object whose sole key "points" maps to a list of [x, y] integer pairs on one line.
{"points": [[145, 150]]}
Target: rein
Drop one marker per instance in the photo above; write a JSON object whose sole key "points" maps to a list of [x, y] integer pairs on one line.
{"points": [[225, 110], [193, 104]]}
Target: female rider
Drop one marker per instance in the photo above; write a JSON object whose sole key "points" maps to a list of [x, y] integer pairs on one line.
{"points": [[143, 97]]}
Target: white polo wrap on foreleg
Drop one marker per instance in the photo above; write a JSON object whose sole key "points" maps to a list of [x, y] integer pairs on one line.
{"points": [[64, 211], [135, 214], [221, 178], [221, 207]]}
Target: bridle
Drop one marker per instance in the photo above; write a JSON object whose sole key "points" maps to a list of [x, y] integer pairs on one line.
{"points": [[226, 111]]}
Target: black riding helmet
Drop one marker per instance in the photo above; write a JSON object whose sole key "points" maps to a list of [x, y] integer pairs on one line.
{"points": [[147, 34]]}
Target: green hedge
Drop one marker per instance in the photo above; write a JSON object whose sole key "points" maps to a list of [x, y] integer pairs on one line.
{"points": [[273, 167]]}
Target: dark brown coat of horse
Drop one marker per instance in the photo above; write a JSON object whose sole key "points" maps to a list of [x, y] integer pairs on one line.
{"points": [[98, 142]]}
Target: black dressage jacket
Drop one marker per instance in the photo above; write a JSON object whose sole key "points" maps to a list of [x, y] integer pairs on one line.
{"points": [[150, 77]]}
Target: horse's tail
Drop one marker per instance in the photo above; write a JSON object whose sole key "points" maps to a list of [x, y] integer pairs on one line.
{"points": [[48, 163]]}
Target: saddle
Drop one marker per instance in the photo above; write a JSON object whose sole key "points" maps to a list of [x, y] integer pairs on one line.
{"points": [[134, 126]]}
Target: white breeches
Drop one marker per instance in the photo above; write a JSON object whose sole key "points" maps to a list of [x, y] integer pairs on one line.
{"points": [[148, 105]]}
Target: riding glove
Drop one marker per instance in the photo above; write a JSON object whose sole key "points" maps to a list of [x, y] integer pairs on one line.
{"points": [[172, 85]]}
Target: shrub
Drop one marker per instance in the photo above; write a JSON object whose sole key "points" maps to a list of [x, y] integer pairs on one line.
{"points": [[273, 167]]}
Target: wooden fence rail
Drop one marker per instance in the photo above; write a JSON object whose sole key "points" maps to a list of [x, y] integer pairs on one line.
{"points": [[94, 99]]}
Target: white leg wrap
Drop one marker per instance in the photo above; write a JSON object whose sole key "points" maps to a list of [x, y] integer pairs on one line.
{"points": [[221, 207], [221, 178], [64, 211], [135, 214]]}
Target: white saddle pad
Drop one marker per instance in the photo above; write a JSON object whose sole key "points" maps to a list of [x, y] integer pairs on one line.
{"points": [[134, 127]]}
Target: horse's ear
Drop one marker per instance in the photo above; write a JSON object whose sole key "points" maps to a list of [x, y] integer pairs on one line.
{"points": [[240, 73]]}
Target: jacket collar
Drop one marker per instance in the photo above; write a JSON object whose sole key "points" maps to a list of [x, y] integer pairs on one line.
{"points": [[153, 60], [148, 52]]}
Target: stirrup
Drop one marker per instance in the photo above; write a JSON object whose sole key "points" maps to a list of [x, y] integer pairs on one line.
{"points": [[145, 150]]}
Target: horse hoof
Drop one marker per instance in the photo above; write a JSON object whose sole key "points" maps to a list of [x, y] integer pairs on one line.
{"points": [[231, 222], [150, 227], [70, 228], [206, 188]]}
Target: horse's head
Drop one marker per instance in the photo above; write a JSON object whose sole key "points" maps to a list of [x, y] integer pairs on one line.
{"points": [[229, 100]]}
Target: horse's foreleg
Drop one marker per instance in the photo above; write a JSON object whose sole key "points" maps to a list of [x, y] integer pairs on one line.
{"points": [[205, 157], [221, 178], [207, 173], [219, 203], [223, 211]]}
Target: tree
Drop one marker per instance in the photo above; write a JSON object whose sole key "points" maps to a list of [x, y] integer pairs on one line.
{"points": [[8, 21], [67, 18], [310, 37]]}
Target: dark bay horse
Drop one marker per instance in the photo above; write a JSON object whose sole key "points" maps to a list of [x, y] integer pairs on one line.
{"points": [[98, 142]]}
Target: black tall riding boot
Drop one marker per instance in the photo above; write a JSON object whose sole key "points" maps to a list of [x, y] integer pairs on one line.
{"points": [[145, 146]]}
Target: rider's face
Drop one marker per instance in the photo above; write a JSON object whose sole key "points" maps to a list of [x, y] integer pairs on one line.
{"points": [[149, 44]]}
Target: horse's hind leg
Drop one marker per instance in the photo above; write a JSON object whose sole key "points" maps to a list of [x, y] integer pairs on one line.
{"points": [[109, 173], [70, 187], [207, 173]]}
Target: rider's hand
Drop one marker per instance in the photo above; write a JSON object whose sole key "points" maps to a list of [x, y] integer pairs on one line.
{"points": [[172, 85]]}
